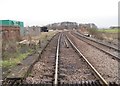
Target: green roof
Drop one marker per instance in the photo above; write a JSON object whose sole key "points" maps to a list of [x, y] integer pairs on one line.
{"points": [[11, 23]]}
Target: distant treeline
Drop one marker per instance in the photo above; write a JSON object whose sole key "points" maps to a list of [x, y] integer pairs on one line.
{"points": [[70, 25]]}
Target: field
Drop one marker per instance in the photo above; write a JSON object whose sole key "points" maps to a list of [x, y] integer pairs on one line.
{"points": [[110, 30]]}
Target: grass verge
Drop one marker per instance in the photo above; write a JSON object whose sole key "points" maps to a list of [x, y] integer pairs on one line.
{"points": [[14, 58], [14, 61]]}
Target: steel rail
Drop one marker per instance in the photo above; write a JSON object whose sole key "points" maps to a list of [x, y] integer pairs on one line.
{"points": [[115, 56], [91, 66], [56, 62]]}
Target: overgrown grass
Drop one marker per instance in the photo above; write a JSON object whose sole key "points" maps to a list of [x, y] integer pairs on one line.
{"points": [[45, 35], [109, 35], [13, 58], [14, 61], [110, 30]]}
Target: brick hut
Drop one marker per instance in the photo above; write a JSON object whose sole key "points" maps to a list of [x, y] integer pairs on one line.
{"points": [[11, 30]]}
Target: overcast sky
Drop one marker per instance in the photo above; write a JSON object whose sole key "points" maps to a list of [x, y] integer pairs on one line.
{"points": [[104, 13]]}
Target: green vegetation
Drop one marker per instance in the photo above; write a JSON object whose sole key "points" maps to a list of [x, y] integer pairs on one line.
{"points": [[110, 30], [92, 31], [109, 35], [14, 53], [14, 61]]}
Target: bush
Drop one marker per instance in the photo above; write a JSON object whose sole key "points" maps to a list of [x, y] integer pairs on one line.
{"points": [[96, 33]]}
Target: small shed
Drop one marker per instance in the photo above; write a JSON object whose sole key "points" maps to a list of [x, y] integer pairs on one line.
{"points": [[9, 23], [11, 29]]}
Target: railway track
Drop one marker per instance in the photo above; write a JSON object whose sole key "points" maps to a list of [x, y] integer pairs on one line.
{"points": [[45, 70], [96, 73], [57, 74], [48, 69], [112, 51], [112, 47], [73, 69]]}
